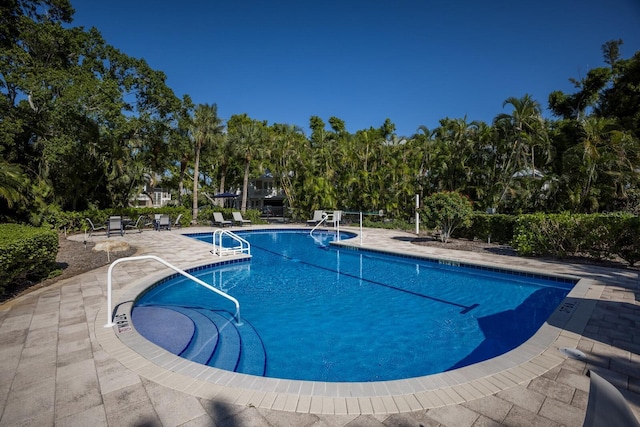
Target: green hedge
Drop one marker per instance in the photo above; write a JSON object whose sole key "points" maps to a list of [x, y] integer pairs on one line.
{"points": [[386, 223], [75, 221], [26, 252], [489, 227], [599, 236], [560, 235]]}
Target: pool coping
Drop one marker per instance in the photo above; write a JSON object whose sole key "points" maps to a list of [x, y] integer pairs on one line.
{"points": [[533, 358]]}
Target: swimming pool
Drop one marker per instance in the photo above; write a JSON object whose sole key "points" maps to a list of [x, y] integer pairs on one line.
{"points": [[323, 313]]}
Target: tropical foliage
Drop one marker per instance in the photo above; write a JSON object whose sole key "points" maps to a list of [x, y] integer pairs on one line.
{"points": [[206, 128], [447, 211], [26, 253], [562, 235], [84, 126]]}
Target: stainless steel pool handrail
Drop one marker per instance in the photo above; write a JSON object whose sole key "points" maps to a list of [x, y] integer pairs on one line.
{"points": [[244, 246], [325, 216], [110, 322]]}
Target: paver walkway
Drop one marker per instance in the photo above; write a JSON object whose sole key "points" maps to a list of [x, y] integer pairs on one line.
{"points": [[56, 370]]}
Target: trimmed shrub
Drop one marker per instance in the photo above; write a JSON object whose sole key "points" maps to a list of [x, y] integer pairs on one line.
{"points": [[26, 252], [562, 235], [489, 227], [447, 211], [381, 222], [625, 231]]}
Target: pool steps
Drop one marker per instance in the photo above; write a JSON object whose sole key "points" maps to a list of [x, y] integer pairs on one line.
{"points": [[253, 357], [204, 340], [214, 338], [169, 329], [227, 353]]}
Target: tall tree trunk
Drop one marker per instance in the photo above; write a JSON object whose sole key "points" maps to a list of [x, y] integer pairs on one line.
{"points": [[245, 186], [195, 185], [223, 177], [183, 168]]}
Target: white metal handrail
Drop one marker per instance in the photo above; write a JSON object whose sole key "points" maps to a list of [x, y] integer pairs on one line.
{"points": [[324, 218], [329, 217], [242, 247], [110, 322]]}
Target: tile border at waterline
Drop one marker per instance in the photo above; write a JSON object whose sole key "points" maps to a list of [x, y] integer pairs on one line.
{"points": [[350, 244]]}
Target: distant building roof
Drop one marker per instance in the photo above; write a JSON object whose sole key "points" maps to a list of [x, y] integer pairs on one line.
{"points": [[526, 173]]}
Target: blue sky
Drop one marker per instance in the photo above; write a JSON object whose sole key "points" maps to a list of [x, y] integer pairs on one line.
{"points": [[414, 62]]}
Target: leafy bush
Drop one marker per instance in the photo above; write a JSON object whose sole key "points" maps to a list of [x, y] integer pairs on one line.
{"points": [[385, 223], [625, 233], [489, 227], [561, 235], [446, 212], [26, 252]]}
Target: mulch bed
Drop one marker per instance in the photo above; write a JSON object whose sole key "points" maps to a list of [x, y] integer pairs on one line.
{"points": [[466, 245], [499, 249]]}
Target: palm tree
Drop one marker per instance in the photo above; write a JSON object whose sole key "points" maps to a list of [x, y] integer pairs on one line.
{"points": [[223, 152], [602, 163], [524, 129], [318, 176], [180, 144], [424, 146], [205, 128], [455, 145], [483, 159], [248, 142], [12, 183], [286, 157]]}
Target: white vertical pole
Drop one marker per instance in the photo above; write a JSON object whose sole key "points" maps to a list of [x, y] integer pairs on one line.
{"points": [[360, 228], [417, 214]]}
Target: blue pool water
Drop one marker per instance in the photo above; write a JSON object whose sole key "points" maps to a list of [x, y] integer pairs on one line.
{"points": [[312, 311]]}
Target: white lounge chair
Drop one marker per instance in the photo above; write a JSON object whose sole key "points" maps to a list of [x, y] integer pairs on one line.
{"points": [[334, 218], [606, 405], [177, 224], [317, 217], [94, 228], [115, 226], [218, 219], [149, 222], [155, 221], [237, 218], [137, 225], [164, 222]]}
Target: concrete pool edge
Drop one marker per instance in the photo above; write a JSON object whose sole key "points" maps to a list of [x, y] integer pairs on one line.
{"points": [[532, 359]]}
